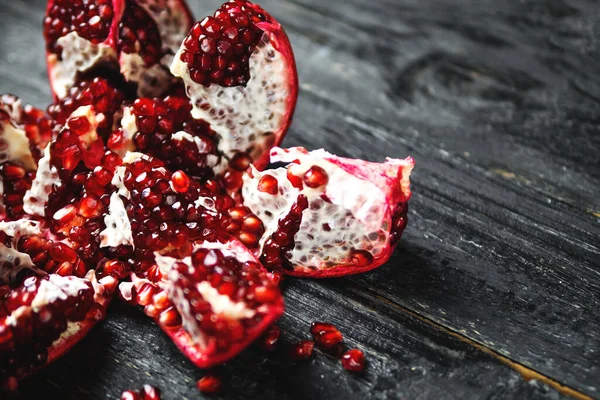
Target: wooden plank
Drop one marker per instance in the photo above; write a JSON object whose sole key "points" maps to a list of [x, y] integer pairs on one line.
{"points": [[499, 104]]}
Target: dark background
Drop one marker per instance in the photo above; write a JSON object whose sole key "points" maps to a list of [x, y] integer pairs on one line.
{"points": [[497, 278]]}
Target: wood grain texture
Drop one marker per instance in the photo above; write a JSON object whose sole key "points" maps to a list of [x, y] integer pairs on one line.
{"points": [[499, 103]]}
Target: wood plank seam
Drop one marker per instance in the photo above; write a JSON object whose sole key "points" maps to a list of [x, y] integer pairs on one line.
{"points": [[526, 372]]}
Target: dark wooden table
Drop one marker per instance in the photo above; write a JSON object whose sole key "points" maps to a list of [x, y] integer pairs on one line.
{"points": [[494, 291]]}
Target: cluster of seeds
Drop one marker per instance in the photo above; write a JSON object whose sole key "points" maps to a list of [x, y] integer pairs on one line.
{"points": [[139, 34], [91, 19], [218, 48]]}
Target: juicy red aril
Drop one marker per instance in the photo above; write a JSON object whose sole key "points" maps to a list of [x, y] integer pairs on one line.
{"points": [[270, 338], [315, 177], [138, 33], [245, 226], [16, 182], [282, 241], [180, 181], [241, 161], [150, 392], [91, 19], [360, 258], [52, 257], [209, 384], [268, 184], [130, 395], [218, 48], [302, 350], [326, 335], [353, 360]]}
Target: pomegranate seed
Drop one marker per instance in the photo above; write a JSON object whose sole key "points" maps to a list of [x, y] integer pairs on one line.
{"points": [[130, 395], [180, 181], [326, 335], [266, 294], [209, 384], [302, 350], [315, 177], [268, 184], [240, 161], [150, 392], [79, 125], [270, 338], [353, 360], [361, 258]]}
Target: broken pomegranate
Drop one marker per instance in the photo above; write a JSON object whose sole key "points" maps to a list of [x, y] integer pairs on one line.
{"points": [[136, 38], [325, 215], [239, 71], [218, 300]]}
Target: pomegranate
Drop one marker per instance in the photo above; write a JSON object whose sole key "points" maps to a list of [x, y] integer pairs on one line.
{"points": [[135, 38], [239, 71], [24, 132], [42, 315], [218, 300], [270, 338], [325, 215]]}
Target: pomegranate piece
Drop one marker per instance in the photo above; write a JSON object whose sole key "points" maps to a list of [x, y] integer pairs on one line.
{"points": [[330, 216], [209, 384], [353, 360], [134, 37], [24, 132], [302, 350], [239, 71], [164, 128], [326, 335], [212, 309]]}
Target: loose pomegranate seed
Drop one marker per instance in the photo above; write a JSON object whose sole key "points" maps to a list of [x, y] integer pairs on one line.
{"points": [[180, 181], [315, 177], [268, 184], [302, 350], [218, 48], [326, 335], [130, 395], [209, 384], [353, 360], [150, 392], [270, 338]]}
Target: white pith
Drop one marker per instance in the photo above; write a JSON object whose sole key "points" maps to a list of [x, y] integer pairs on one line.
{"points": [[118, 228], [152, 81], [12, 262], [46, 177], [359, 215], [17, 147], [13, 110], [129, 128], [244, 118], [78, 56], [20, 228], [118, 181], [54, 288]]}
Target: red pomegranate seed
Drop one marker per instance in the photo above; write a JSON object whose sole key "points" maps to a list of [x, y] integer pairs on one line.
{"points": [[302, 350], [79, 125], [150, 392], [326, 335], [266, 294], [361, 258], [315, 177], [241, 161], [130, 395], [270, 338], [180, 181], [209, 384], [268, 184], [294, 180], [353, 360]]}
